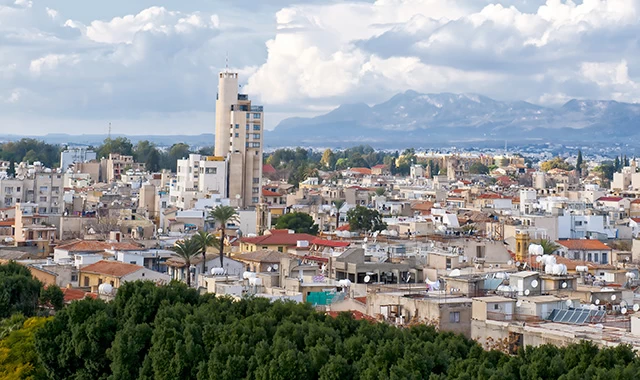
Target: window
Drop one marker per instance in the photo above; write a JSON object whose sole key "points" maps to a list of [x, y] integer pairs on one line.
{"points": [[496, 306], [237, 126], [256, 127], [42, 210], [256, 136], [8, 190], [605, 258], [589, 256], [448, 263], [18, 188], [280, 249], [55, 210], [256, 180], [256, 116], [43, 199], [256, 190], [112, 283], [99, 281], [43, 189], [237, 134], [247, 127], [454, 317], [255, 200], [55, 189], [253, 145], [86, 281], [7, 201], [211, 171], [248, 115], [74, 277]]}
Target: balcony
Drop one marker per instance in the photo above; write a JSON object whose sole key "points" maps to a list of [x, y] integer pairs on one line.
{"points": [[243, 97], [240, 107], [257, 108]]}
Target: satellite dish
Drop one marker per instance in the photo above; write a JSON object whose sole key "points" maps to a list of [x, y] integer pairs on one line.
{"points": [[160, 230], [269, 269], [597, 302], [623, 310], [455, 273], [517, 263], [519, 303], [534, 283], [569, 303], [527, 292], [613, 297], [564, 285], [275, 266], [600, 326], [237, 196], [636, 307], [538, 259], [509, 262], [367, 279]]}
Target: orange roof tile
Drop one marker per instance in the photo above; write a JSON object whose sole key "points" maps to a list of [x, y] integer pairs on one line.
{"points": [[330, 243], [364, 171], [111, 268], [98, 246], [609, 199], [268, 169], [584, 244], [269, 193], [71, 294]]}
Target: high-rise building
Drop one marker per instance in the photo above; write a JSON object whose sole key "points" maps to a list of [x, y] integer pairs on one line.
{"points": [[238, 136]]}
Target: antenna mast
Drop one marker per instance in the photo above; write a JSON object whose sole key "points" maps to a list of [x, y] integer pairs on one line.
{"points": [[109, 136], [226, 62]]}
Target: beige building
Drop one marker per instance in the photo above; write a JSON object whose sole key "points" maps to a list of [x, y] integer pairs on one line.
{"points": [[239, 136], [116, 165]]}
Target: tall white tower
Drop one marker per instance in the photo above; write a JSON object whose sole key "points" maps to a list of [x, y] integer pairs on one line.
{"points": [[239, 132]]}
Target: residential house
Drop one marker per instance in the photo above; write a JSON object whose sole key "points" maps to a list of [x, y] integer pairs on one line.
{"points": [[276, 240], [585, 250], [116, 274]]}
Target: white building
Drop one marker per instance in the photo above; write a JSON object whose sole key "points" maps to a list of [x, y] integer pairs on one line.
{"points": [[239, 136], [75, 155], [198, 177], [38, 185]]}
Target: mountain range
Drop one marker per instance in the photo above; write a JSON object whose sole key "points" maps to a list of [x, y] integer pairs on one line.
{"points": [[415, 119]]}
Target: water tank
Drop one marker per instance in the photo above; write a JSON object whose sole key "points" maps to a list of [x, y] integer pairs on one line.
{"points": [[582, 268], [302, 243], [105, 289], [536, 250]]}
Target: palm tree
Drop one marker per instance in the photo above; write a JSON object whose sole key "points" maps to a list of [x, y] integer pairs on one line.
{"points": [[338, 203], [187, 249], [205, 240], [548, 246], [223, 215]]}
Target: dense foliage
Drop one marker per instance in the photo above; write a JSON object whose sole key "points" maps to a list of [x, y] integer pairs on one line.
{"points": [[300, 222], [19, 292], [18, 357], [365, 219], [30, 150], [171, 332]]}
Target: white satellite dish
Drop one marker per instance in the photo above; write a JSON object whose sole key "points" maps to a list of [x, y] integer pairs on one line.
{"points": [[613, 297], [569, 303], [600, 326], [269, 269], [527, 292], [275, 266], [509, 262], [519, 303], [623, 310], [455, 273], [538, 259], [517, 263], [534, 283], [597, 302], [636, 307], [564, 285], [367, 279], [160, 230]]}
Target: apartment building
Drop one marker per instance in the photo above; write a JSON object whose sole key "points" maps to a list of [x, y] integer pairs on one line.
{"points": [[239, 138], [73, 156], [198, 176], [116, 165], [45, 189]]}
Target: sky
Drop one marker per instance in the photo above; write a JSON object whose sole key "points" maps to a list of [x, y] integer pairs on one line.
{"points": [[149, 66]]}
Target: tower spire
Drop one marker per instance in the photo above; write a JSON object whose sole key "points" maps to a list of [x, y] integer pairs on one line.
{"points": [[226, 63]]}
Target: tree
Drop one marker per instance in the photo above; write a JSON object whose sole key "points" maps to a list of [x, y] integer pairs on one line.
{"points": [[380, 191], [18, 357], [119, 145], [205, 240], [478, 168], [52, 296], [187, 249], [176, 152], [616, 164], [300, 222], [579, 163], [338, 203], [19, 291], [328, 159], [364, 219], [223, 215], [548, 246], [555, 163]]}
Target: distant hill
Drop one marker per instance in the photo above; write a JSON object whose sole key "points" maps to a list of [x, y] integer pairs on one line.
{"points": [[415, 119]]}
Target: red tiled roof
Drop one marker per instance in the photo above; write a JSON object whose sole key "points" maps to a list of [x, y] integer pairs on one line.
{"points": [[380, 166], [278, 239], [344, 227], [637, 220], [268, 169], [7, 223], [98, 246], [330, 243], [71, 294], [269, 193], [584, 244], [361, 170], [357, 315], [636, 201], [609, 199], [111, 268], [361, 299]]}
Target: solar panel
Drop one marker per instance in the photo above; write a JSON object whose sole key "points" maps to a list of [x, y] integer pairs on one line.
{"points": [[576, 316]]}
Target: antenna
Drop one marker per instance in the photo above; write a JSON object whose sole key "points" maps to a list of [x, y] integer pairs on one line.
{"points": [[109, 131], [226, 62]]}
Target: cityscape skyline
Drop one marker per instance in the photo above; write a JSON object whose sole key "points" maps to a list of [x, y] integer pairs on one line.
{"points": [[151, 66]]}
